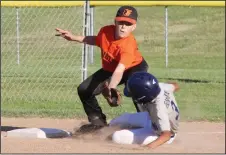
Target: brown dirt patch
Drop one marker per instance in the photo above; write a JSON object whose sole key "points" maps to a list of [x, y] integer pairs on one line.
{"points": [[193, 137]]}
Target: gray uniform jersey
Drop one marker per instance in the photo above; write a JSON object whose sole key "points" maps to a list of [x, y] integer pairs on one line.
{"points": [[164, 111]]}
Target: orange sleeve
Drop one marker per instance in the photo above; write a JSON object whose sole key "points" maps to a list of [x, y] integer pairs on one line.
{"points": [[127, 56], [98, 38]]}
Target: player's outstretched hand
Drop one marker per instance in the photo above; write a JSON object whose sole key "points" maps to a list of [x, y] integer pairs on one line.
{"points": [[65, 34]]}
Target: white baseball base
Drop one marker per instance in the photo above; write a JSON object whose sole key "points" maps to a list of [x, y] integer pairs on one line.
{"points": [[38, 133]]}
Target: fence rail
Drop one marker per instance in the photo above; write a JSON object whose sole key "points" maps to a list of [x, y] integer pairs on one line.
{"points": [[111, 3]]}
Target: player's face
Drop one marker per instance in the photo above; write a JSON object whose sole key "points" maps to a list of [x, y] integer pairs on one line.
{"points": [[123, 28]]}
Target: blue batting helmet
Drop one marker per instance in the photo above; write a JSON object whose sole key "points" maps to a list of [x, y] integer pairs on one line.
{"points": [[143, 87]]}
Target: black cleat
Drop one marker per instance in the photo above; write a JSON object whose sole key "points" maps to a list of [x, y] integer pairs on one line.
{"points": [[89, 128], [96, 123]]}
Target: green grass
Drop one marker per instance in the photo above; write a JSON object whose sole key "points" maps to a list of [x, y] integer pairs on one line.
{"points": [[45, 82]]}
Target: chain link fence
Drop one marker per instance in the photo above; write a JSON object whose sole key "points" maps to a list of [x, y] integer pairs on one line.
{"points": [[38, 67]]}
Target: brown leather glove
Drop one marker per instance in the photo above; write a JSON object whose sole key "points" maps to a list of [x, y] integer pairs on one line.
{"points": [[112, 95]]}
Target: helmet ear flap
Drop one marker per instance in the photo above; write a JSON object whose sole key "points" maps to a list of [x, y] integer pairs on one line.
{"points": [[126, 91]]}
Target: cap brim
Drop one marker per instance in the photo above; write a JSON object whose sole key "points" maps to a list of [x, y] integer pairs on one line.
{"points": [[133, 21]]}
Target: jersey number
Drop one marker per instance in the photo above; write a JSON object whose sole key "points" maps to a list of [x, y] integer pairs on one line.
{"points": [[175, 109]]}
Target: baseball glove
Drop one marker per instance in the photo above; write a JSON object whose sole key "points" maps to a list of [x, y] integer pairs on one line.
{"points": [[112, 96]]}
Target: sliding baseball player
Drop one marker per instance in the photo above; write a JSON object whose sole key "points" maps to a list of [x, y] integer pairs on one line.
{"points": [[157, 121]]}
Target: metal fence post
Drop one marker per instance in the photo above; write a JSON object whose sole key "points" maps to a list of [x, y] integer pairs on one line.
{"points": [[91, 33], [85, 46], [88, 33]]}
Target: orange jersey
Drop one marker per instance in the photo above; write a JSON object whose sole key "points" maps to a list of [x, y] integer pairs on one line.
{"points": [[113, 51]]}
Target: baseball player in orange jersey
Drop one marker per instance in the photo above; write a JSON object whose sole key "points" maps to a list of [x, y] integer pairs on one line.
{"points": [[120, 59], [158, 120]]}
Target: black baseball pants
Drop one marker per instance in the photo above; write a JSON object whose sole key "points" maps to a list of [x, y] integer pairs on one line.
{"points": [[92, 86]]}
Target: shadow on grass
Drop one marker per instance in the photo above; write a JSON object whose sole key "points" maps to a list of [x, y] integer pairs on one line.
{"points": [[191, 80]]}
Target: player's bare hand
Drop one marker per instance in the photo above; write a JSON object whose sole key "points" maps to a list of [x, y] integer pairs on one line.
{"points": [[65, 34]]}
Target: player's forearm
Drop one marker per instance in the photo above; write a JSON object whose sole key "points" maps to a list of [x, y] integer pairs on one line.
{"points": [[85, 39], [165, 136], [117, 76], [115, 79]]}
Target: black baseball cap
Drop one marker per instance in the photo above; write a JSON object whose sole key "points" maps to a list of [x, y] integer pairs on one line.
{"points": [[127, 13]]}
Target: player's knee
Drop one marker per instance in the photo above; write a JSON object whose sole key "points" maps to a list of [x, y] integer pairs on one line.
{"points": [[81, 89], [123, 137]]}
